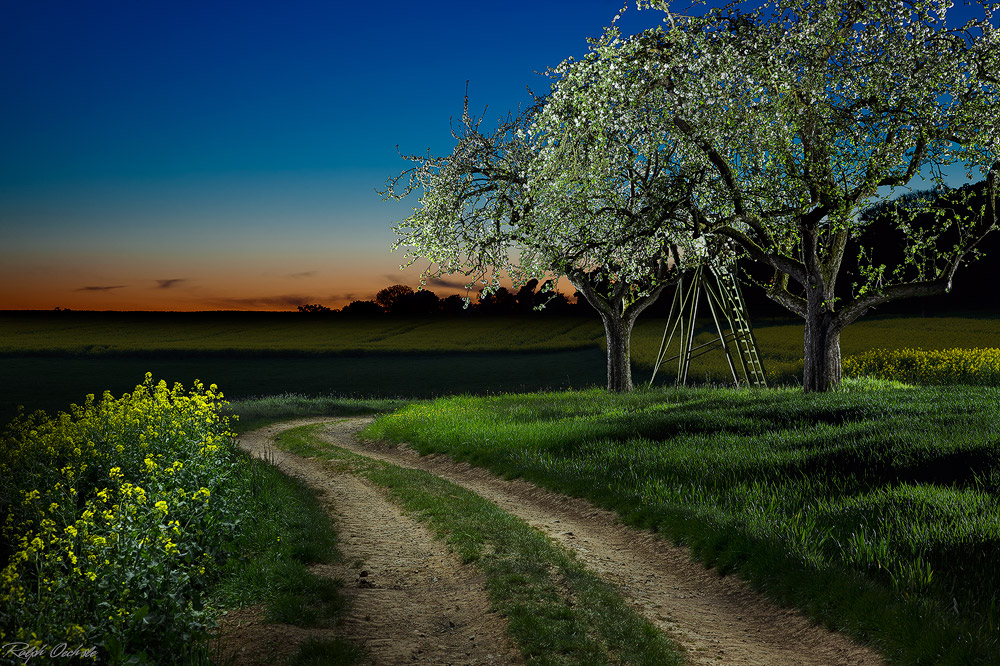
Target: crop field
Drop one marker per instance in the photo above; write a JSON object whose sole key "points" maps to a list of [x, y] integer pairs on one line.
{"points": [[48, 360], [284, 333], [780, 344]]}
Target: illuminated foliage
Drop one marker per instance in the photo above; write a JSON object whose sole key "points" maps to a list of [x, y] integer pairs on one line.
{"points": [[514, 203], [769, 130], [788, 119]]}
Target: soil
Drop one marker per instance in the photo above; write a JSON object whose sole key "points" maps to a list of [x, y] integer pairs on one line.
{"points": [[716, 620]]}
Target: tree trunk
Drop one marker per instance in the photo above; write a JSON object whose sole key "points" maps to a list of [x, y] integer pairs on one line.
{"points": [[619, 320], [618, 331], [822, 351]]}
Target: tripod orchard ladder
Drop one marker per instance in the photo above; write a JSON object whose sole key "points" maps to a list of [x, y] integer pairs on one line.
{"points": [[724, 298]]}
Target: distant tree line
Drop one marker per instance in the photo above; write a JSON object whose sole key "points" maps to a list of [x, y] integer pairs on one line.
{"points": [[401, 300]]}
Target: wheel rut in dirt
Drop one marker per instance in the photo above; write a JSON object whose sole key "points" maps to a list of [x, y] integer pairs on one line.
{"points": [[412, 601], [717, 620]]}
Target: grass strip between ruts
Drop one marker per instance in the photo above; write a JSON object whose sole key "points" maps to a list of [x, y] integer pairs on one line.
{"points": [[557, 611]]}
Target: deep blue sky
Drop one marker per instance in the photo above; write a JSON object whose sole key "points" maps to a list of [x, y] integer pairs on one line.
{"points": [[230, 150], [207, 155]]}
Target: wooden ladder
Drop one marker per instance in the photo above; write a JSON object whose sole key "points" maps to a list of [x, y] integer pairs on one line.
{"points": [[728, 298], [736, 313]]}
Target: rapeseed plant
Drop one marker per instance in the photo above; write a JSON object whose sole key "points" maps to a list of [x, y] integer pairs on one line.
{"points": [[115, 518], [979, 367]]}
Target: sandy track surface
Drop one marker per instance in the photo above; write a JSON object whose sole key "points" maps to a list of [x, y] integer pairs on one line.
{"points": [[412, 601], [718, 620]]}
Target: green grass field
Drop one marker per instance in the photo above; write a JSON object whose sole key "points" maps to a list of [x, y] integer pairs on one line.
{"points": [[873, 509]]}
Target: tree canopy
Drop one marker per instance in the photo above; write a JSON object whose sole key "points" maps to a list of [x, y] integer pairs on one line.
{"points": [[789, 119]]}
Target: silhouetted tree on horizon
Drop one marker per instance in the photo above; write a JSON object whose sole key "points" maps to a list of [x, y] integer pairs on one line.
{"points": [[418, 303], [362, 309], [499, 302], [390, 297], [315, 308], [401, 300], [454, 305], [526, 297]]}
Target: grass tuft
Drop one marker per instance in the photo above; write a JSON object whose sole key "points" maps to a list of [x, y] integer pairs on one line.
{"points": [[320, 652], [290, 531]]}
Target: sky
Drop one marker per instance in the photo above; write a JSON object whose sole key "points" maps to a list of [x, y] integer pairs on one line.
{"points": [[225, 155]]}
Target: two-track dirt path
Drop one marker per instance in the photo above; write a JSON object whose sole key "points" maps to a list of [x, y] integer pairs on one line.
{"points": [[411, 600], [718, 621]]}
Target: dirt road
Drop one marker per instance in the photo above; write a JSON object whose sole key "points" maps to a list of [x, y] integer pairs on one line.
{"points": [[421, 605]]}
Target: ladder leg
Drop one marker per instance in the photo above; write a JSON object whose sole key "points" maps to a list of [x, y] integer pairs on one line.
{"points": [[690, 339], [718, 328], [666, 340]]}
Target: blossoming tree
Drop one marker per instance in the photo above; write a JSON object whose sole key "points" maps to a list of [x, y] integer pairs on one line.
{"points": [[793, 119], [514, 203]]}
